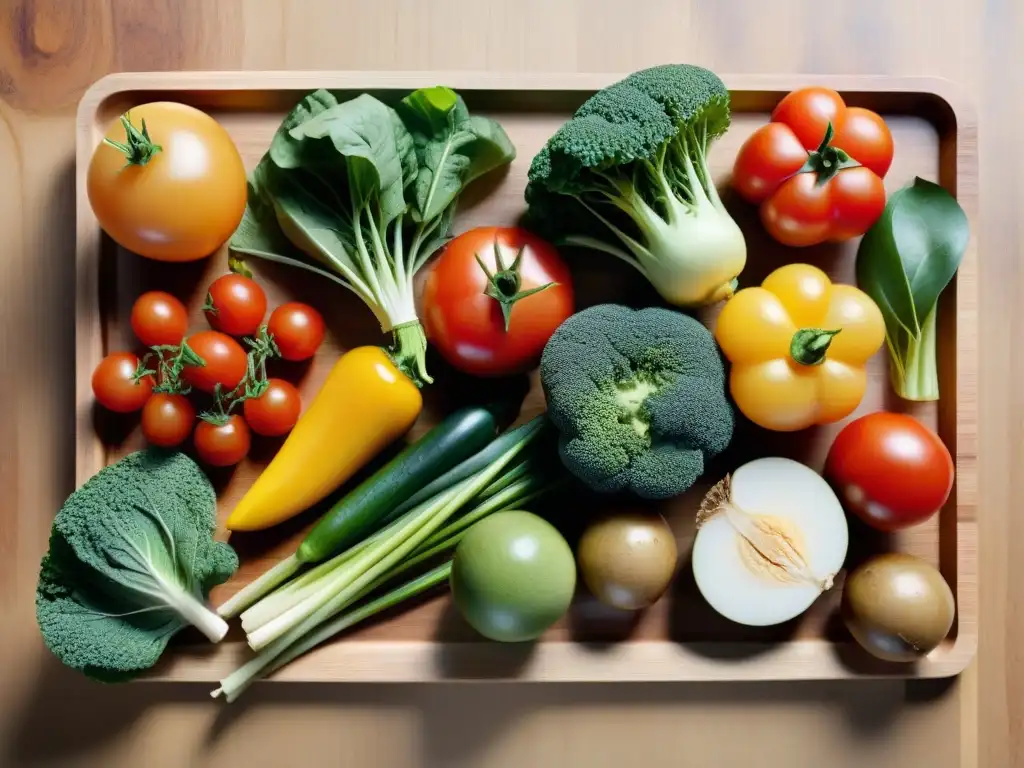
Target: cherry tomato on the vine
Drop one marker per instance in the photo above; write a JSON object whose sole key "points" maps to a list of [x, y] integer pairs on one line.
{"points": [[225, 361], [493, 298], [890, 470], [235, 305], [158, 318], [167, 419], [222, 445], [275, 412], [116, 383], [298, 330], [816, 169]]}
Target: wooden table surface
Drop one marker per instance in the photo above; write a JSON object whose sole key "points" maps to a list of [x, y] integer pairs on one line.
{"points": [[51, 50]]}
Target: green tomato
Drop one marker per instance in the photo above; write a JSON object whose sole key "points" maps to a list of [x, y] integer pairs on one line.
{"points": [[513, 576]]}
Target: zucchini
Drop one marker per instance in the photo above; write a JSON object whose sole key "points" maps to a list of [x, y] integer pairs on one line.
{"points": [[467, 468], [459, 436]]}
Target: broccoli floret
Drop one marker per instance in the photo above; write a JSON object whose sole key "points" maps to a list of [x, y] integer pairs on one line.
{"points": [[638, 398], [628, 175], [131, 561]]}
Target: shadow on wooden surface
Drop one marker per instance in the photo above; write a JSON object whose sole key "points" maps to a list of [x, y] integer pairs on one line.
{"points": [[103, 714]]}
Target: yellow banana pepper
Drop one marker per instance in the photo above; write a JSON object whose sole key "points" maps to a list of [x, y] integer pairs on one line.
{"points": [[365, 404], [798, 345]]}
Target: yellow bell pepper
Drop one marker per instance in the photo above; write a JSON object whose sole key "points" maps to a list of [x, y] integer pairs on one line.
{"points": [[798, 345], [365, 404]]}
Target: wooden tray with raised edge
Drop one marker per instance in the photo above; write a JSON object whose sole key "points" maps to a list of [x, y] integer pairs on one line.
{"points": [[680, 638]]}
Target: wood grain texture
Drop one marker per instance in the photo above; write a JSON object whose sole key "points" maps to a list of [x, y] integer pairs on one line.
{"points": [[935, 135], [50, 50]]}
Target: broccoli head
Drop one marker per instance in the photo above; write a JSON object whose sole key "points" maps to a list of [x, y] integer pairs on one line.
{"points": [[628, 176], [638, 398]]}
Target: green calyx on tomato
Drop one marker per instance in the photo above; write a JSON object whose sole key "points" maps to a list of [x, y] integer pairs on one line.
{"points": [[827, 160], [504, 284], [138, 147], [171, 361], [252, 385], [809, 345], [462, 317], [816, 169]]}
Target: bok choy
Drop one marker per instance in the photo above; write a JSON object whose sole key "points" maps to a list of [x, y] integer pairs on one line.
{"points": [[363, 193], [904, 262]]}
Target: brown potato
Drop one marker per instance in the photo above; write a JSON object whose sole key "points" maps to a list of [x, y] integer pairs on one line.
{"points": [[627, 559], [898, 607]]}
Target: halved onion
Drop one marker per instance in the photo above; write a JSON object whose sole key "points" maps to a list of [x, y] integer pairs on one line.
{"points": [[770, 539]]}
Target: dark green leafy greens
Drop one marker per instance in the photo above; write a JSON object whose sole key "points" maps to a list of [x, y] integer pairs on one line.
{"points": [[363, 194], [131, 561], [904, 262]]}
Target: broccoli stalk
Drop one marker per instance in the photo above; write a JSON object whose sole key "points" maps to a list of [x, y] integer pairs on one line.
{"points": [[634, 159]]}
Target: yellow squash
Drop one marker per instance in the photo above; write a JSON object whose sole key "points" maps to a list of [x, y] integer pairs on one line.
{"points": [[365, 404], [798, 345]]}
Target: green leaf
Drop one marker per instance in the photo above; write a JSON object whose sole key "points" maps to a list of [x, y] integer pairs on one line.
{"points": [[406, 149], [880, 274], [931, 234], [490, 149], [904, 262], [258, 233], [453, 148], [427, 109], [286, 151], [438, 238], [912, 252], [132, 556], [80, 616], [375, 147], [306, 220]]}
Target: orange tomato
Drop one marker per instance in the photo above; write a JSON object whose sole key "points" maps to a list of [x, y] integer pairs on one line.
{"points": [[798, 345], [167, 182]]}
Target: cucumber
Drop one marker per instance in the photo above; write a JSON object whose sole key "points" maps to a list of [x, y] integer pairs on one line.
{"points": [[475, 463], [459, 436]]}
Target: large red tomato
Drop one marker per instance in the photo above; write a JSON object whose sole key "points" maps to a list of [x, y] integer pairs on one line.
{"points": [[890, 470], [493, 298]]}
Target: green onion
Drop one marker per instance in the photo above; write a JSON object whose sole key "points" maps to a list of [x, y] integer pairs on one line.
{"points": [[343, 584], [235, 683], [422, 533], [444, 540], [255, 592]]}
